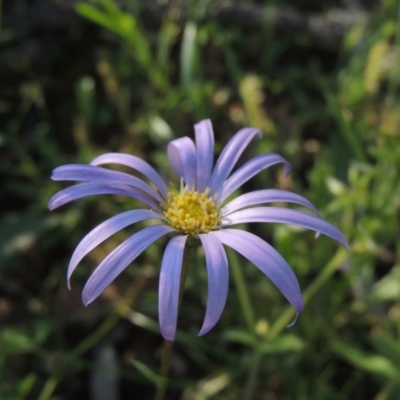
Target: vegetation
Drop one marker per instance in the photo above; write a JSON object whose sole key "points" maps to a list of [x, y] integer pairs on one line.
{"points": [[82, 78]]}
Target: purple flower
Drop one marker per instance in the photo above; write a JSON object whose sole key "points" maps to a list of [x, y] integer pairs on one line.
{"points": [[198, 209]]}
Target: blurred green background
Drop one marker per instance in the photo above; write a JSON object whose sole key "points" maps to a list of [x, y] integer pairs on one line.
{"points": [[321, 79]]}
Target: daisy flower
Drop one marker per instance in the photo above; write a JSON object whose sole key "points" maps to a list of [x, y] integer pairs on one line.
{"points": [[198, 208]]}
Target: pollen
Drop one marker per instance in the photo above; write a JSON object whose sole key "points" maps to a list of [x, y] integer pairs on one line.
{"points": [[192, 212]]}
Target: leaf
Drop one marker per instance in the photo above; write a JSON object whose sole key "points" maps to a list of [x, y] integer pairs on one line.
{"points": [[372, 363], [97, 16], [239, 336], [284, 344], [148, 373], [26, 385], [18, 234], [188, 55], [25, 339], [15, 341], [388, 288], [386, 345]]}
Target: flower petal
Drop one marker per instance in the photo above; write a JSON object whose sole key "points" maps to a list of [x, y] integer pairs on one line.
{"points": [[136, 163], [89, 189], [119, 259], [90, 173], [286, 216], [267, 260], [168, 288], [104, 231], [251, 168], [205, 152], [182, 157], [229, 156], [218, 280], [265, 196]]}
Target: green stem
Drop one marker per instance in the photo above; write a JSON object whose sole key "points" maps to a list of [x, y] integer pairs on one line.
{"points": [[48, 389], [168, 345], [251, 382], [345, 128], [244, 300], [321, 279], [164, 368], [241, 288], [393, 73]]}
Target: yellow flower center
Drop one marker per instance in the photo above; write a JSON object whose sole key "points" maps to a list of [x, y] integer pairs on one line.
{"points": [[192, 212]]}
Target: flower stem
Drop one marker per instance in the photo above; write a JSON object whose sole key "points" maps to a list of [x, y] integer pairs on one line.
{"points": [[243, 294], [168, 345], [244, 300], [319, 281], [251, 382], [164, 368]]}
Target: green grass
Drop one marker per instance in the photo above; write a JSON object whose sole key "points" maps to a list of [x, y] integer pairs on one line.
{"points": [[108, 80]]}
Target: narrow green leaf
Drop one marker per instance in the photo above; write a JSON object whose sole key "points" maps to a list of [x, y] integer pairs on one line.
{"points": [[188, 52], [14, 341], [386, 345], [374, 364], [239, 336], [283, 344], [148, 373], [95, 15]]}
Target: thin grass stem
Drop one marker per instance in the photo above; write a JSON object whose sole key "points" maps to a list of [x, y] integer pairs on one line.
{"points": [[319, 281], [245, 304]]}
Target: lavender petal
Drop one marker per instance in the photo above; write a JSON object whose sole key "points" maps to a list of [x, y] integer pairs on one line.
{"points": [[168, 288], [89, 189], [286, 216], [205, 152], [265, 196], [251, 168], [218, 280], [119, 259], [267, 260], [106, 230], [182, 157], [135, 163], [90, 173], [229, 157]]}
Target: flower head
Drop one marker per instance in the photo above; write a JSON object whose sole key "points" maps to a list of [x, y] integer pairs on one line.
{"points": [[198, 208]]}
